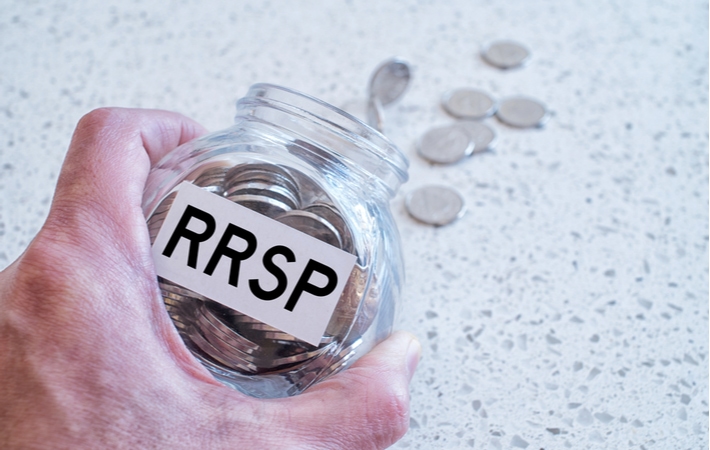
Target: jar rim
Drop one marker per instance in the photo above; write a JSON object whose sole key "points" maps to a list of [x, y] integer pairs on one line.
{"points": [[332, 117]]}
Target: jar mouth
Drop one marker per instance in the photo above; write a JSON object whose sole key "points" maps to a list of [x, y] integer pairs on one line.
{"points": [[368, 148]]}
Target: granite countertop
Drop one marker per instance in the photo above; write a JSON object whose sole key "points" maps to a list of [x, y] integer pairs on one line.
{"points": [[569, 307]]}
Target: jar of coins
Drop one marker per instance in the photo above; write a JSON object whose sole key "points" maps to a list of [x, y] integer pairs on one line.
{"points": [[277, 256]]}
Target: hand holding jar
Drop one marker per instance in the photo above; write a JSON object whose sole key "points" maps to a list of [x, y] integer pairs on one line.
{"points": [[89, 356]]}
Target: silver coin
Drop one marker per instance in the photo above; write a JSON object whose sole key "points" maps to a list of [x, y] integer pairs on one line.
{"points": [[522, 112], [435, 205], [506, 54], [311, 192], [176, 301], [260, 326], [181, 324], [389, 81], [266, 206], [329, 366], [209, 318], [212, 326], [353, 316], [277, 336], [227, 348], [258, 188], [263, 181], [387, 84], [237, 317], [264, 171], [156, 219], [210, 176], [165, 204], [483, 136], [313, 225], [331, 214], [269, 174], [445, 145], [469, 104], [277, 363], [375, 114], [219, 356]]}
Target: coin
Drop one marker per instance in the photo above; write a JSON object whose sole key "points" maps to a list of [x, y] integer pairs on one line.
{"points": [[156, 219], [435, 205], [312, 225], [259, 171], [389, 81], [275, 192], [277, 363], [331, 214], [310, 191], [469, 104], [237, 317], [328, 366], [446, 144], [522, 112], [218, 355], [506, 54], [267, 189], [266, 206], [375, 114], [210, 176], [267, 180], [345, 311], [483, 136], [275, 335], [168, 287]]}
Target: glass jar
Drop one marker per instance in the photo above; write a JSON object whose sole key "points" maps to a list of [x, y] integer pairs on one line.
{"points": [[310, 166]]}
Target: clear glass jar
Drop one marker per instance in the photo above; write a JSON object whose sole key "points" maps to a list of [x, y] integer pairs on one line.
{"points": [[311, 166]]}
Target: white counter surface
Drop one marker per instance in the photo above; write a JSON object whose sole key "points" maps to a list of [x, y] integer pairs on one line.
{"points": [[569, 307]]}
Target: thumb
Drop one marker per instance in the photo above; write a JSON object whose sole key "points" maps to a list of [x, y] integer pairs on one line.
{"points": [[373, 399]]}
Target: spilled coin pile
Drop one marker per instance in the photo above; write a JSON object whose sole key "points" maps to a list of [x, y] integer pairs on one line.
{"points": [[452, 143]]}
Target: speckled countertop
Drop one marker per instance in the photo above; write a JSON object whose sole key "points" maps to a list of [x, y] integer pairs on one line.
{"points": [[569, 307]]}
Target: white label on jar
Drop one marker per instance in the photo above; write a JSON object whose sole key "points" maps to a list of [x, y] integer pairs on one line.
{"points": [[251, 263]]}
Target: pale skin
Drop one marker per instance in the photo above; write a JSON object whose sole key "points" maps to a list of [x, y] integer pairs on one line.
{"points": [[90, 359]]}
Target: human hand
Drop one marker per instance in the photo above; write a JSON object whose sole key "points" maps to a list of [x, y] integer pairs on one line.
{"points": [[90, 359]]}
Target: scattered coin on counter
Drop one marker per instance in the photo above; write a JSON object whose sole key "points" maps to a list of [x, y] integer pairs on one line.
{"points": [[388, 84], [505, 54], [435, 205], [466, 103], [446, 145], [522, 112], [483, 137], [375, 114], [390, 81]]}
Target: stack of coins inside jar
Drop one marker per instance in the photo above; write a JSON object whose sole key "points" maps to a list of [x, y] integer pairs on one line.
{"points": [[223, 338]]}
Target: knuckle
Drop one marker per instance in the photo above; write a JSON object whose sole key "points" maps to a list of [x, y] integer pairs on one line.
{"points": [[386, 402], [99, 119], [395, 407]]}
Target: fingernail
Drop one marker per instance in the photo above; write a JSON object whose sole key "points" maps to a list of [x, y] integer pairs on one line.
{"points": [[414, 353]]}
